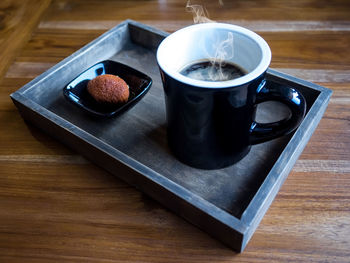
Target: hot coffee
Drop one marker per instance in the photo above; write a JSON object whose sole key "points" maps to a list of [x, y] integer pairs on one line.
{"points": [[212, 71], [211, 118]]}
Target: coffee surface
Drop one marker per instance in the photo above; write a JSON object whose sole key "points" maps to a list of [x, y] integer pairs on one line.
{"points": [[212, 71]]}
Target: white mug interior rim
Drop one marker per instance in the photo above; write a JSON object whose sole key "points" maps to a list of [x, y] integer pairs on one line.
{"points": [[255, 73]]}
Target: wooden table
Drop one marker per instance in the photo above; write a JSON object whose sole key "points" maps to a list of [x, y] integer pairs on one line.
{"points": [[55, 206]]}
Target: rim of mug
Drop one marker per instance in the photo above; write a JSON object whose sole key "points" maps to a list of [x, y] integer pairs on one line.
{"points": [[254, 74]]}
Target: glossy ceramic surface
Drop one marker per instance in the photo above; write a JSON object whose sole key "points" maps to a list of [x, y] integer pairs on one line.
{"points": [[211, 124], [76, 91], [215, 128]]}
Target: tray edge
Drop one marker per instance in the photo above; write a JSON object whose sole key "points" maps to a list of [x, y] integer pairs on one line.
{"points": [[283, 166]]}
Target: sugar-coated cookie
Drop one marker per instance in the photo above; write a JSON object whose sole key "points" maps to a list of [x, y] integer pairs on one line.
{"points": [[108, 88]]}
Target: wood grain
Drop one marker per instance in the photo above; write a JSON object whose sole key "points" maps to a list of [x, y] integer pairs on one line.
{"points": [[17, 21], [55, 206], [175, 10]]}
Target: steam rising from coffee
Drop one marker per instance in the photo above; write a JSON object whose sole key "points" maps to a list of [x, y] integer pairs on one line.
{"points": [[200, 14], [224, 49]]}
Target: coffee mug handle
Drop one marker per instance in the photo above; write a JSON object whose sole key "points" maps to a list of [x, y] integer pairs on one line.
{"points": [[293, 99]]}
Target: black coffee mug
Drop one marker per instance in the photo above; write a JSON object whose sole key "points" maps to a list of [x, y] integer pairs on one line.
{"points": [[211, 123]]}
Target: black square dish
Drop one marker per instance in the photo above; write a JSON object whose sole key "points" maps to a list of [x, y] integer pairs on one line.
{"points": [[76, 91]]}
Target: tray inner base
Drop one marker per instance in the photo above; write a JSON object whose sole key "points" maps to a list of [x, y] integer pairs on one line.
{"points": [[141, 134]]}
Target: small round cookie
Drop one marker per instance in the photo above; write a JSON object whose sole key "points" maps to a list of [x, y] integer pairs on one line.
{"points": [[108, 88]]}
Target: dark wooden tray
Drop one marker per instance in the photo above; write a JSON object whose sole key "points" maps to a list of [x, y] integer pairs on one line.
{"points": [[227, 203]]}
